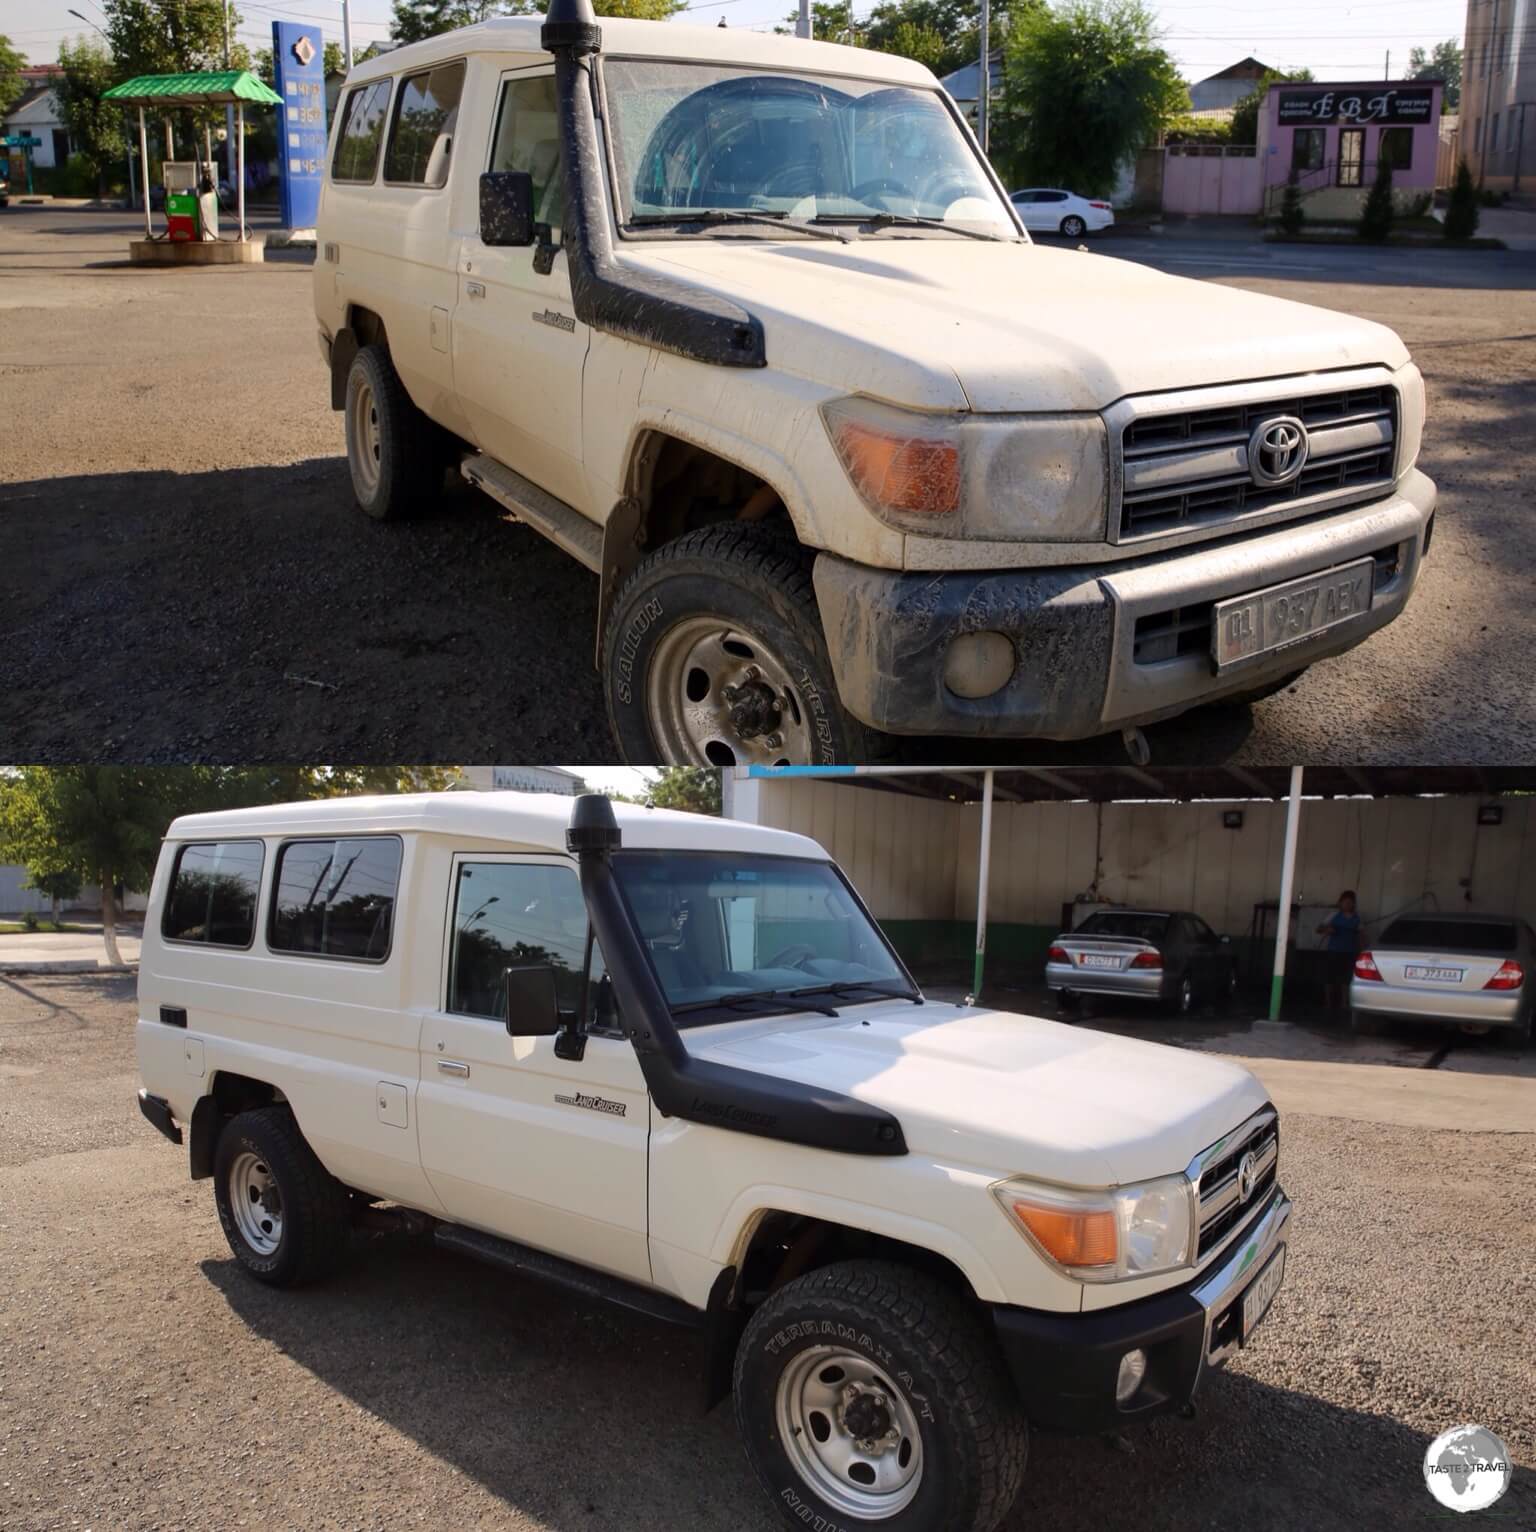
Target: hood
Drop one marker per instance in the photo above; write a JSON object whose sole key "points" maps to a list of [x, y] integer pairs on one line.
{"points": [[990, 326], [1006, 1094]]}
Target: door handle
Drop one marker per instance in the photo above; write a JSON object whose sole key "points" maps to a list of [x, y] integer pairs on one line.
{"points": [[474, 289], [453, 1067]]}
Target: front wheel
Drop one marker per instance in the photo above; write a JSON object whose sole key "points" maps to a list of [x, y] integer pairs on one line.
{"points": [[714, 656], [1073, 226], [1182, 1000], [868, 1394]]}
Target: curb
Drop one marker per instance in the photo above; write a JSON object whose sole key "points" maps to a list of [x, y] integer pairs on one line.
{"points": [[68, 965]]}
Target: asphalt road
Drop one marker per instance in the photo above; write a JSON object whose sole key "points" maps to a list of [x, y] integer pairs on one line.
{"points": [[146, 1383], [182, 574]]}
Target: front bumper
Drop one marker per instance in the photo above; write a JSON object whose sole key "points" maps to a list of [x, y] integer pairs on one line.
{"points": [[1064, 1365], [1130, 983], [1074, 630], [1477, 1007]]}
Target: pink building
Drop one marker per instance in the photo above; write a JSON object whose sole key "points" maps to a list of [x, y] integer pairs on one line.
{"points": [[1334, 136]]}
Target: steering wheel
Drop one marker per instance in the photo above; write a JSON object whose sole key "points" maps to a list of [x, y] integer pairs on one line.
{"points": [[879, 186], [800, 179], [793, 956]]}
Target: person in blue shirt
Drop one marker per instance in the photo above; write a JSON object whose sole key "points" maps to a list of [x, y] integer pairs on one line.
{"points": [[1341, 931]]}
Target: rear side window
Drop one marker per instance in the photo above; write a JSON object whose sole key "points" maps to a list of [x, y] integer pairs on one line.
{"points": [[426, 113], [1451, 935], [336, 898], [212, 897], [362, 132]]}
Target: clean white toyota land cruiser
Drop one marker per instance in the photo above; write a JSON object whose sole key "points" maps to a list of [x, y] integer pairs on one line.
{"points": [[748, 326], [672, 1062]]}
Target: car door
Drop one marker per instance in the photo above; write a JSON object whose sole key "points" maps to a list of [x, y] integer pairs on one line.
{"points": [[1206, 957], [518, 348], [547, 1151], [1028, 204]]}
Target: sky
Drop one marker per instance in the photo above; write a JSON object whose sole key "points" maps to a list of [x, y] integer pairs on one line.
{"points": [[1336, 41]]}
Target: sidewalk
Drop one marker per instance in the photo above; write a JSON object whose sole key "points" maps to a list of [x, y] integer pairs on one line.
{"points": [[80, 951]]}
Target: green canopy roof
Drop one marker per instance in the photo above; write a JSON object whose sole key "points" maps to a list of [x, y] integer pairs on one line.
{"points": [[222, 87]]}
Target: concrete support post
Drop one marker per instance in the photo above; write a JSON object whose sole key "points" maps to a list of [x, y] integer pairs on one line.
{"points": [[240, 167], [1287, 885], [149, 228], [983, 879]]}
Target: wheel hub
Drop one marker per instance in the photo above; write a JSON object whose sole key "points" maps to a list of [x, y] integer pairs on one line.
{"points": [[755, 709], [865, 1415]]}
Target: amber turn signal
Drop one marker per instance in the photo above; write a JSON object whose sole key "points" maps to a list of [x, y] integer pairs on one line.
{"points": [[902, 473], [1071, 1236]]}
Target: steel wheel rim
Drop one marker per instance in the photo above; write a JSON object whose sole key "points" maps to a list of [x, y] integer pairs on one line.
{"points": [[826, 1393], [256, 1202], [1075, 228], [1187, 996], [365, 439], [701, 664]]}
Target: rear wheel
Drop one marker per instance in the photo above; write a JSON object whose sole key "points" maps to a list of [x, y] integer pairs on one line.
{"points": [[395, 453], [870, 1394], [714, 656], [286, 1218], [1181, 1001], [1073, 226]]}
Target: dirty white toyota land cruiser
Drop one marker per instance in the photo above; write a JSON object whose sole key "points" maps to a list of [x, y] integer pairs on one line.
{"points": [[672, 1062], [747, 325]]}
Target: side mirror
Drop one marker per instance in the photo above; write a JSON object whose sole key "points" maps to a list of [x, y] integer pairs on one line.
{"points": [[533, 1009], [506, 207]]}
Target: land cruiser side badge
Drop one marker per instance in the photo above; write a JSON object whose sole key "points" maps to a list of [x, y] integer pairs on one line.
{"points": [[594, 1104], [555, 321]]}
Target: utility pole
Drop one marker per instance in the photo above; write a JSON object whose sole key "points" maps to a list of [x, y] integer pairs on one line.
{"points": [[803, 20], [346, 34], [1386, 71], [984, 86], [229, 119]]}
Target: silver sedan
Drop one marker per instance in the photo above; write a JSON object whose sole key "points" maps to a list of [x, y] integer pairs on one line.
{"points": [[1477, 972]]}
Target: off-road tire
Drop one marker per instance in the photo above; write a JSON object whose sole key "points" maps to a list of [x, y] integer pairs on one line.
{"points": [[743, 573], [937, 1349], [1073, 227], [412, 450], [317, 1233]]}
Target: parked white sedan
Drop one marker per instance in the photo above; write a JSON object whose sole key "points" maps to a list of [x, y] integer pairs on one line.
{"points": [[1048, 211]]}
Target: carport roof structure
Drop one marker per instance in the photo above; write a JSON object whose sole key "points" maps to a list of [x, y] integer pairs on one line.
{"points": [[1109, 784], [219, 87]]}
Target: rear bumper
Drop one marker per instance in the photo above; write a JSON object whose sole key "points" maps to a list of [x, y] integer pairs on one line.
{"points": [[1074, 631], [1478, 1007], [158, 1110], [1065, 1365], [1132, 983]]}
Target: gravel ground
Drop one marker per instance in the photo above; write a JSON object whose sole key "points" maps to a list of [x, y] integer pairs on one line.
{"points": [[147, 1383], [172, 486]]}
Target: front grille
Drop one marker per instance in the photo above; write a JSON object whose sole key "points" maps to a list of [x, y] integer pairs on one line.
{"points": [[1221, 1206], [1188, 469], [1187, 629]]}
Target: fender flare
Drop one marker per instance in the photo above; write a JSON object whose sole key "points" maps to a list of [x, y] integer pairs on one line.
{"points": [[344, 349]]}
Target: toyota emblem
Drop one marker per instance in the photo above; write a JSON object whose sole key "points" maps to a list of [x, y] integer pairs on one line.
{"points": [[1247, 1174], [1277, 451]]}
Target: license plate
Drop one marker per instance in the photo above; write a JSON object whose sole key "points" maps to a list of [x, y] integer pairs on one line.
{"points": [[1436, 975], [1097, 960], [1285, 614], [1261, 1292]]}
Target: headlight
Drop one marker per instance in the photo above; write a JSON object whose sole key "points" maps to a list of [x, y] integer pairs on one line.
{"points": [[1104, 1236], [1008, 478]]}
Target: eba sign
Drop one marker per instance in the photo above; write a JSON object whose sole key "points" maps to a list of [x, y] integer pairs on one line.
{"points": [[1392, 104], [298, 57]]}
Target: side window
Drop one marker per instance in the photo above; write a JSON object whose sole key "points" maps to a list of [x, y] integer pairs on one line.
{"points": [[426, 113], [336, 898], [362, 132], [528, 138], [513, 915], [212, 897]]}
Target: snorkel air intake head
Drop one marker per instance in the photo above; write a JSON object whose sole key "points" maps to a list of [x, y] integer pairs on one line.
{"points": [[570, 26], [593, 827]]}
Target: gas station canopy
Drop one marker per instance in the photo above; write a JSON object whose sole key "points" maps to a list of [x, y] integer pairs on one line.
{"points": [[221, 87]]}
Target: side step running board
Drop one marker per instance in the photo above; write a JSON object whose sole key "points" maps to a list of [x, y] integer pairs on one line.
{"points": [[526, 1262], [565, 527]]}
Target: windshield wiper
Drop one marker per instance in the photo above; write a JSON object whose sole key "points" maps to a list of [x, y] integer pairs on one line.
{"points": [[906, 221], [779, 1000], [842, 987], [729, 215]]}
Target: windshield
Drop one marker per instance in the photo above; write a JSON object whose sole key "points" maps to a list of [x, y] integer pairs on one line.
{"points": [[690, 138], [1145, 928], [718, 925]]}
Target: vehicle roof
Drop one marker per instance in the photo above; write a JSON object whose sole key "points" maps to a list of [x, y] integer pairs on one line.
{"points": [[655, 39], [534, 821]]}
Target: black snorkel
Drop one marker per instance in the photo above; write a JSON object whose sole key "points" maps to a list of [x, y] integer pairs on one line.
{"points": [[700, 1090], [637, 305]]}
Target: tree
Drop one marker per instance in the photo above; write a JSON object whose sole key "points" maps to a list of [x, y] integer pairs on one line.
{"points": [[96, 125], [693, 789], [11, 82], [416, 19], [1292, 214], [58, 886], [1086, 85], [1461, 212], [1442, 62], [166, 36], [1377, 215], [943, 34], [1245, 115]]}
